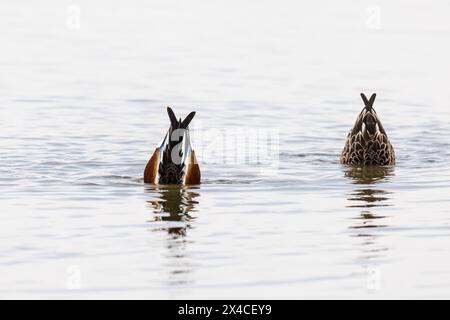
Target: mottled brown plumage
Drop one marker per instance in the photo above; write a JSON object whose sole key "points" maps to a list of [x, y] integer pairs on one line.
{"points": [[367, 142]]}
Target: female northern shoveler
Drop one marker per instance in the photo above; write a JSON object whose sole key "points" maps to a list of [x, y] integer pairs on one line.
{"points": [[367, 143], [174, 161]]}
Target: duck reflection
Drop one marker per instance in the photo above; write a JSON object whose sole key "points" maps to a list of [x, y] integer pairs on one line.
{"points": [[173, 205], [369, 174], [368, 195], [172, 212]]}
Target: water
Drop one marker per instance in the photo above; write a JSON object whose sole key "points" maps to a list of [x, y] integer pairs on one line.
{"points": [[82, 103]]}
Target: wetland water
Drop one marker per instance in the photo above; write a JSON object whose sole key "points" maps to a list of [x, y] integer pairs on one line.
{"points": [[82, 106]]}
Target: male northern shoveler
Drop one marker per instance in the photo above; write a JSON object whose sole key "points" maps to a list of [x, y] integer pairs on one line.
{"points": [[367, 142], [174, 161]]}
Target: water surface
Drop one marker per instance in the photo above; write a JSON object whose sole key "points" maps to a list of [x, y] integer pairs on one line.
{"points": [[82, 106]]}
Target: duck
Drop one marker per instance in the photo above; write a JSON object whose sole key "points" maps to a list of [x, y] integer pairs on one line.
{"points": [[367, 142], [174, 162]]}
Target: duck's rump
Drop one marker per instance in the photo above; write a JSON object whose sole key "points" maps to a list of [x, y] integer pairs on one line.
{"points": [[173, 163], [365, 149]]}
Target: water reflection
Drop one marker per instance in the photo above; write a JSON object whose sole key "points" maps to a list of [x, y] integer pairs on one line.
{"points": [[368, 195], [172, 211], [368, 198], [369, 174], [173, 205]]}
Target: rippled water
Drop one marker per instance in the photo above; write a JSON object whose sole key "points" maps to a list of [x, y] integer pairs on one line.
{"points": [[82, 106]]}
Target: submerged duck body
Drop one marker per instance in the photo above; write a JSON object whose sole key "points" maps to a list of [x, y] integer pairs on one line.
{"points": [[367, 142], [174, 161]]}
